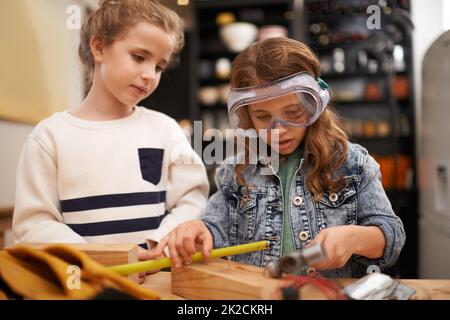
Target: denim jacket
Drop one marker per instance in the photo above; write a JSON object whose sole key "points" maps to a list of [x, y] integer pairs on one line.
{"points": [[234, 220]]}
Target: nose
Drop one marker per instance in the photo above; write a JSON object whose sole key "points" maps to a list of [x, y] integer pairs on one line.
{"points": [[276, 124], [149, 74]]}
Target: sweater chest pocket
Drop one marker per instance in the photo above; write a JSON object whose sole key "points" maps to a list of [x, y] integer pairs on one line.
{"points": [[337, 208], [150, 162]]}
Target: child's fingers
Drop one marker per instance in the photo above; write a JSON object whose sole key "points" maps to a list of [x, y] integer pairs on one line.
{"points": [[190, 241], [152, 272], [318, 239], [176, 261], [207, 243], [329, 254], [141, 278], [325, 264], [180, 244], [144, 255], [159, 250]]}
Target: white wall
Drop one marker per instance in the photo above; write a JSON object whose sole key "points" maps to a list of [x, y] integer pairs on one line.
{"points": [[12, 137], [431, 19], [12, 134]]}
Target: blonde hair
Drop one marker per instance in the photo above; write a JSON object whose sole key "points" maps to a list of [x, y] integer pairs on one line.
{"points": [[325, 142], [115, 16]]}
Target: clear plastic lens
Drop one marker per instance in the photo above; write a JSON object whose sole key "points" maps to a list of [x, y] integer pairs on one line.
{"points": [[296, 100], [297, 109]]}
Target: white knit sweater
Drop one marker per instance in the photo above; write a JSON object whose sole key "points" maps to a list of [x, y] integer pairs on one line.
{"points": [[121, 181]]}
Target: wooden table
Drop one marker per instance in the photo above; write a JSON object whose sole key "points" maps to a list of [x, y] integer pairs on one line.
{"points": [[426, 289], [245, 279]]}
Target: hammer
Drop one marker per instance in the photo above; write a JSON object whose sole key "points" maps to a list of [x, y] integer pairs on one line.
{"points": [[292, 262]]}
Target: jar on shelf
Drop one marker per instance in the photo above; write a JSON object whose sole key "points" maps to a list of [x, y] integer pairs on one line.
{"points": [[208, 95], [383, 128], [223, 68], [370, 128], [357, 128]]}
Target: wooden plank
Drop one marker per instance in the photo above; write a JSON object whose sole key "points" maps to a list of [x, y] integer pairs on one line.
{"points": [[161, 283], [223, 279], [429, 289], [106, 254]]}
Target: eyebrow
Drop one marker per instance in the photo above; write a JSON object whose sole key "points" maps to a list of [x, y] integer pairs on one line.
{"points": [[145, 51]]}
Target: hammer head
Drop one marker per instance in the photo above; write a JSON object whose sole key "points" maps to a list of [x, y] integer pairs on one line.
{"points": [[292, 262]]}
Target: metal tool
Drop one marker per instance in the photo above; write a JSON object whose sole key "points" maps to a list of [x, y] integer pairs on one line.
{"points": [[292, 262]]}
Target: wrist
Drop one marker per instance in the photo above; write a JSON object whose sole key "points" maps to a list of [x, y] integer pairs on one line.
{"points": [[357, 239], [368, 241]]}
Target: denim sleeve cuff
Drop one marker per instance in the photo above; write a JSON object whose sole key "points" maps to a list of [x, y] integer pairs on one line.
{"points": [[394, 239], [217, 237]]}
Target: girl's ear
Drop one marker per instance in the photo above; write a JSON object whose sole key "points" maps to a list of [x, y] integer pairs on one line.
{"points": [[97, 47]]}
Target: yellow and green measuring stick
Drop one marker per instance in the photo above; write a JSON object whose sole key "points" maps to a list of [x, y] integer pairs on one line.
{"points": [[152, 265]]}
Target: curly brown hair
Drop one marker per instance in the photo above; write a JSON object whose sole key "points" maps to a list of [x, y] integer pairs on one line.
{"points": [[325, 144], [116, 16]]}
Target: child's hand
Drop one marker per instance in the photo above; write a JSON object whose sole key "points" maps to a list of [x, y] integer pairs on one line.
{"points": [[338, 243], [144, 255], [185, 240]]}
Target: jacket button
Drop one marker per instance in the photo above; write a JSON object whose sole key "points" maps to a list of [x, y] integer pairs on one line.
{"points": [[303, 235], [333, 197], [311, 270], [298, 201], [264, 161], [373, 268]]}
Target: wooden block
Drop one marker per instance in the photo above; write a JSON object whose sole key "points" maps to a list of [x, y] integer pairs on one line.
{"points": [[160, 282], [5, 224], [221, 279], [6, 218], [6, 212], [106, 254], [218, 279]]}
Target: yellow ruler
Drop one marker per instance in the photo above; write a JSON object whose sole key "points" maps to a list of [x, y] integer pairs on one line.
{"points": [[152, 265]]}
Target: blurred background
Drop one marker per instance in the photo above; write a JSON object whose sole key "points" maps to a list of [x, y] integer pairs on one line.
{"points": [[387, 63]]}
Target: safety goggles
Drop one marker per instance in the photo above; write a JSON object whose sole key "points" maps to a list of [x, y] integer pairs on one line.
{"points": [[303, 98]]}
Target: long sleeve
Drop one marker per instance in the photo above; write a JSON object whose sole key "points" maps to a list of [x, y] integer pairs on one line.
{"points": [[187, 185], [217, 218], [374, 209], [36, 216]]}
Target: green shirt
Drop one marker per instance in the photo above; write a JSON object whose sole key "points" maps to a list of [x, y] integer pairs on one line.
{"points": [[286, 172]]}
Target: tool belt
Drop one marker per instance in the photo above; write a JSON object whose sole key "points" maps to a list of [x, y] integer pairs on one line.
{"points": [[61, 272]]}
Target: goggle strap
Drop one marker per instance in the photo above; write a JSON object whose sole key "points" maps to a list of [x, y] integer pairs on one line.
{"points": [[322, 83]]}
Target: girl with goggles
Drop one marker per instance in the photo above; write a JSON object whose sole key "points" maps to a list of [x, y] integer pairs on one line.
{"points": [[327, 190]]}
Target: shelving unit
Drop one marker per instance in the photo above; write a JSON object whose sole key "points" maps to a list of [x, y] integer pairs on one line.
{"points": [[374, 98], [210, 48]]}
